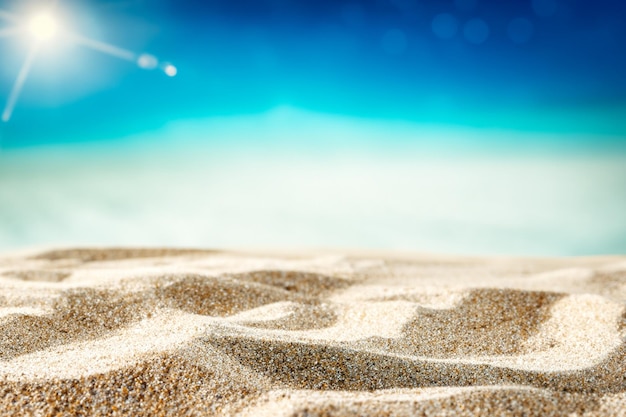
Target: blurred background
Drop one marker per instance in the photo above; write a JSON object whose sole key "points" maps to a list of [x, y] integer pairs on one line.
{"points": [[455, 126]]}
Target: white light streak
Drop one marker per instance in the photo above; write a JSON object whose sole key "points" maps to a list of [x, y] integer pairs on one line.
{"points": [[19, 83], [103, 47], [9, 16], [43, 27], [6, 32]]}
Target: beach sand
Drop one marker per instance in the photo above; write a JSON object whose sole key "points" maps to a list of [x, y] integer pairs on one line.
{"points": [[320, 333]]}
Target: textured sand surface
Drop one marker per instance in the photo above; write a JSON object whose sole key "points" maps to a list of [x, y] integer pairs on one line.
{"points": [[191, 332]]}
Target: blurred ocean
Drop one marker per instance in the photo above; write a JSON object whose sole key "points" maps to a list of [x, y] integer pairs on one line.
{"points": [[464, 126], [290, 178]]}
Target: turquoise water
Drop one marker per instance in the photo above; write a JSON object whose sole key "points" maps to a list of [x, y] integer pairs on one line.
{"points": [[290, 178], [484, 127]]}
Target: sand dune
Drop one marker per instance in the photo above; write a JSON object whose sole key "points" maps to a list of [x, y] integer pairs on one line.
{"points": [[189, 332]]}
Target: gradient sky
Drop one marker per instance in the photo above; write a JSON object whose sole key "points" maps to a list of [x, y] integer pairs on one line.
{"points": [[538, 65], [463, 126]]}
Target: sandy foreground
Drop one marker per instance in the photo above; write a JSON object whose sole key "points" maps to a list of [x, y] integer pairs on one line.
{"points": [[191, 332]]}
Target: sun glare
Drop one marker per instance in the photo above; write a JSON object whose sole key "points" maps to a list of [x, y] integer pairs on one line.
{"points": [[43, 27]]}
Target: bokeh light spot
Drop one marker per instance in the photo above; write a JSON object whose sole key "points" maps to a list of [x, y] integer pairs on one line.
{"points": [[465, 5], [394, 42], [476, 31], [170, 70], [445, 26], [545, 8], [520, 30], [147, 61]]}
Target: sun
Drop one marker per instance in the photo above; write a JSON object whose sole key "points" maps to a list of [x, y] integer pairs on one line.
{"points": [[43, 27]]}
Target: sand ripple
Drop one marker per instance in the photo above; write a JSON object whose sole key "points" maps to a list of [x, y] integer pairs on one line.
{"points": [[325, 335]]}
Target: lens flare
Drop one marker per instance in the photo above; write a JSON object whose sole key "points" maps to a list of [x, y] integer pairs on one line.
{"points": [[45, 27], [147, 61], [171, 70]]}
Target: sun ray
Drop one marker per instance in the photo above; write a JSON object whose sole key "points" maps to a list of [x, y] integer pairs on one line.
{"points": [[104, 47], [44, 28], [7, 32], [8, 16], [19, 83]]}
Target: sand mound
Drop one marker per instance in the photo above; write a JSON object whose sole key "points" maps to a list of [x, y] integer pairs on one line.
{"points": [[189, 332]]}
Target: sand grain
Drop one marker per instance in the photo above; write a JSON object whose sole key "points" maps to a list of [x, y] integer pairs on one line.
{"points": [[147, 332]]}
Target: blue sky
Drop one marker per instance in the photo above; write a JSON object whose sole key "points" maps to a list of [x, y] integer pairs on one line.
{"points": [[460, 126], [541, 65]]}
